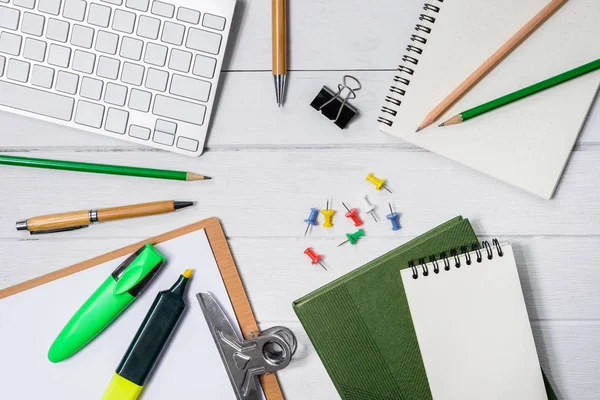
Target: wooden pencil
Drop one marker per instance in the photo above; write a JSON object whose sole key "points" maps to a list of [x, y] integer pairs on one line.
{"points": [[521, 93], [491, 62]]}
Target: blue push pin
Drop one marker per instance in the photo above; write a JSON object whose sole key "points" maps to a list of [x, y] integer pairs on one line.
{"points": [[311, 220], [394, 218]]}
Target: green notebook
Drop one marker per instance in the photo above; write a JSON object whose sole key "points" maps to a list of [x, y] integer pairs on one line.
{"points": [[361, 327]]}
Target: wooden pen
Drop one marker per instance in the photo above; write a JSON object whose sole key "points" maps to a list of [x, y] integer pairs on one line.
{"points": [[81, 219], [279, 37]]}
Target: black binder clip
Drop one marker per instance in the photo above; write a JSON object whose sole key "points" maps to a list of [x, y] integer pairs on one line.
{"points": [[335, 106]]}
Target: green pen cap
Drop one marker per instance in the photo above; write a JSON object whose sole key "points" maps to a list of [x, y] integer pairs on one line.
{"points": [[113, 296]]}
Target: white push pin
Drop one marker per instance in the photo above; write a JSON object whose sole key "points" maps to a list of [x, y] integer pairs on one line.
{"points": [[370, 208]]}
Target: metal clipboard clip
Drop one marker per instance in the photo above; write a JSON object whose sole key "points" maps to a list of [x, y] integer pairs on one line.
{"points": [[244, 360]]}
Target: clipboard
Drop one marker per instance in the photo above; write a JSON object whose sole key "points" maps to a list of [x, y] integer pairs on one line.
{"points": [[227, 268]]}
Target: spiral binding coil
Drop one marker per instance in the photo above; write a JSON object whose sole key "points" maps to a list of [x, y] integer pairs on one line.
{"points": [[454, 258], [423, 28]]}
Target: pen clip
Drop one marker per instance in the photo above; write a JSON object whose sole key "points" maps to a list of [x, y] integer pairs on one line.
{"points": [[72, 228]]}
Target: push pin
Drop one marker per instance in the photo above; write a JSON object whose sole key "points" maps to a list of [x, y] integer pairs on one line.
{"points": [[369, 207], [314, 257], [311, 220], [335, 106], [353, 237], [353, 215], [394, 218], [379, 183], [327, 215]]}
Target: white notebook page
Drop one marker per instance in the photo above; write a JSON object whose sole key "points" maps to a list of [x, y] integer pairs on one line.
{"points": [[473, 331], [526, 143], [190, 368]]}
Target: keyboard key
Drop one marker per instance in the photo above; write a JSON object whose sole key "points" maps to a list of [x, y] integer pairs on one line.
{"points": [[57, 30], [99, 15], [201, 40], [25, 3], [34, 50], [89, 114], [180, 60], [163, 138], [165, 126], [115, 94], [9, 18], [132, 73], [91, 88], [116, 120], [157, 79], [10, 44], [140, 5], [42, 76], [36, 101], [156, 54], [139, 132], [187, 143], [179, 110], [191, 88], [204, 66], [131, 48], [115, 2], [124, 21], [108, 67], [59, 56], [74, 9], [213, 22], [2, 62], [18, 70], [107, 42], [67, 82], [140, 100], [82, 36], [84, 61], [188, 15], [163, 9], [49, 6], [173, 33], [33, 24], [148, 27]]}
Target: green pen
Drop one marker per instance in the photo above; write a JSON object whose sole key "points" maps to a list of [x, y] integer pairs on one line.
{"points": [[115, 294]]}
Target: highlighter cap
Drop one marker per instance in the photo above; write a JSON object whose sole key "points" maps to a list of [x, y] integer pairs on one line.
{"points": [[139, 269]]}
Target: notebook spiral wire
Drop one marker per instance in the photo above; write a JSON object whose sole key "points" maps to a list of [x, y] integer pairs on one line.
{"points": [[410, 59], [453, 260]]}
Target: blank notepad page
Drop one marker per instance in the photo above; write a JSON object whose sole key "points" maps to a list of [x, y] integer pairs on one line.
{"points": [[473, 331]]}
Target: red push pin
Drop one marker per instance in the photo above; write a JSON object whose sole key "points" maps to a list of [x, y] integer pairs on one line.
{"points": [[352, 214], [314, 257]]}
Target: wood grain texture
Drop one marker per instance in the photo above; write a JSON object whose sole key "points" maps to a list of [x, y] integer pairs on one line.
{"points": [[271, 165], [279, 36], [135, 210], [58, 221]]}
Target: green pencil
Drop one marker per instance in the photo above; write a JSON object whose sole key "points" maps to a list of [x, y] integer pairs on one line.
{"points": [[101, 168], [519, 94]]}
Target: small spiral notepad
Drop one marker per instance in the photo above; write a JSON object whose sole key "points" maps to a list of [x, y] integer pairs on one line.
{"points": [[527, 143], [472, 327]]}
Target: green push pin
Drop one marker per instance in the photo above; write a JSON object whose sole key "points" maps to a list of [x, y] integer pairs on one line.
{"points": [[353, 237]]}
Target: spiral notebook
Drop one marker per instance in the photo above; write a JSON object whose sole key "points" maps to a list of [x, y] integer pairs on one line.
{"points": [[472, 327], [361, 326], [527, 143]]}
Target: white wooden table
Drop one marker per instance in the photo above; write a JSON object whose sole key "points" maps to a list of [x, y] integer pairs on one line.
{"points": [[271, 165]]}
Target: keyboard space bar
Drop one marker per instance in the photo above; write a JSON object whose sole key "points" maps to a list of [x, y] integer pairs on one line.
{"points": [[36, 101]]}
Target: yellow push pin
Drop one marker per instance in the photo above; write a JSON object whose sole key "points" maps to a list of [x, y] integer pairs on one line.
{"points": [[379, 183], [327, 215]]}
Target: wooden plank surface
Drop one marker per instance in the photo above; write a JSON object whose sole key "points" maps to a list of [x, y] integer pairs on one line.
{"points": [[271, 165]]}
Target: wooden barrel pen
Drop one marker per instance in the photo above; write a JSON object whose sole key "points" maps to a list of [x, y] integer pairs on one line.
{"points": [[279, 37]]}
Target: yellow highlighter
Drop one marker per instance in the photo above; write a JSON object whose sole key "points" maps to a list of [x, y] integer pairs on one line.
{"points": [[149, 342]]}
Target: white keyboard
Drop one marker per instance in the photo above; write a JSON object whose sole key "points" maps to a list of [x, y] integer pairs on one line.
{"points": [[145, 71]]}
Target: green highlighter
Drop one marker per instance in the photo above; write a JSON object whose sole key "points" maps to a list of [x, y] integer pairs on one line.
{"points": [[117, 292]]}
